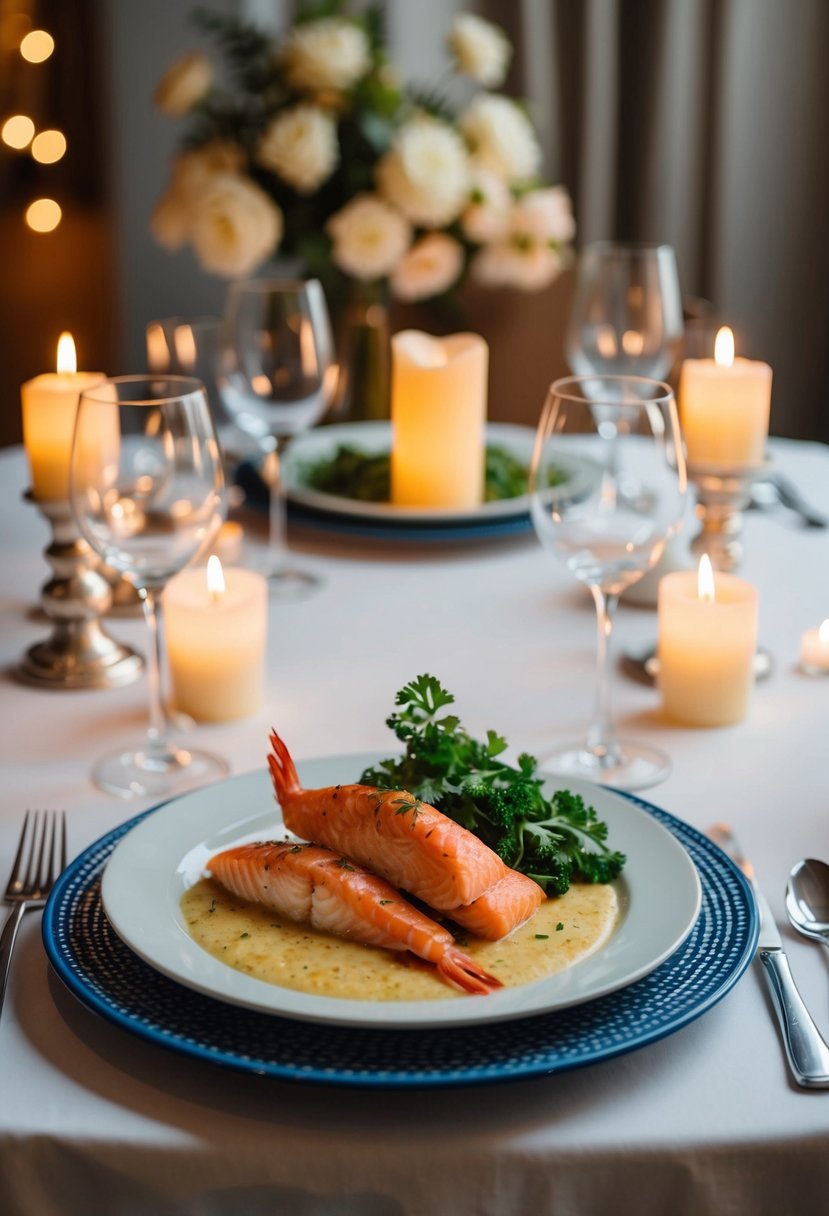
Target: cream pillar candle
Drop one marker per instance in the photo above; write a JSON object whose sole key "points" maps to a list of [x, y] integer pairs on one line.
{"points": [[216, 626], [50, 403], [438, 413], [814, 649], [724, 408], [707, 644]]}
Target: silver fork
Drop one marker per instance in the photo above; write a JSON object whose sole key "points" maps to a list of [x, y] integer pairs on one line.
{"points": [[40, 857]]}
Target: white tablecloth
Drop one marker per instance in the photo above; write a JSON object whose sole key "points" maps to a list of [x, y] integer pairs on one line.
{"points": [[93, 1119]]}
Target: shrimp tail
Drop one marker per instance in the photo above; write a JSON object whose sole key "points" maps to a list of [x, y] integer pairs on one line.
{"points": [[283, 771], [462, 972]]}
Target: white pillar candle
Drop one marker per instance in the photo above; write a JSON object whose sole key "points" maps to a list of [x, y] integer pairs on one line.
{"points": [[707, 644], [814, 649], [49, 404], [438, 413], [724, 408], [216, 633]]}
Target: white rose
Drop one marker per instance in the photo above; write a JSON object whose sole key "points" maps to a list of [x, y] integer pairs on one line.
{"points": [[171, 220], [300, 145], [235, 226], [481, 49], [501, 137], [184, 85], [506, 265], [331, 53], [369, 237], [430, 267], [425, 174], [544, 215], [485, 217]]}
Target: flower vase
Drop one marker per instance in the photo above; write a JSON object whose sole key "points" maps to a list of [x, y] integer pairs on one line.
{"points": [[362, 335]]}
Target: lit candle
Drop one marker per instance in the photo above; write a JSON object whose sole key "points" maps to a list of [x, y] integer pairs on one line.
{"points": [[724, 408], [438, 412], [216, 628], [814, 649], [49, 404], [707, 644]]}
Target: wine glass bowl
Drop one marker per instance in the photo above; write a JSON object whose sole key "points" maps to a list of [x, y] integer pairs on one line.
{"points": [[147, 492], [627, 316], [607, 490], [276, 368]]}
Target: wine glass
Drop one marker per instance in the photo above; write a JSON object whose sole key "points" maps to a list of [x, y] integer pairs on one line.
{"points": [[276, 370], [627, 314], [147, 492], [607, 489]]}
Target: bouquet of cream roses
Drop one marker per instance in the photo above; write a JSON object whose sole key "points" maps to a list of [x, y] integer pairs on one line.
{"points": [[313, 148]]}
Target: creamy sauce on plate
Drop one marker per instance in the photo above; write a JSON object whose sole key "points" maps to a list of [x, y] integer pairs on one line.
{"points": [[260, 943]]}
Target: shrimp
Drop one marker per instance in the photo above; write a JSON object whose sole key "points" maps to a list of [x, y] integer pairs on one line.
{"points": [[391, 832], [412, 845], [304, 882]]}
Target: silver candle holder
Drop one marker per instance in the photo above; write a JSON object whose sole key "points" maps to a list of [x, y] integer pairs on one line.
{"points": [[79, 652], [722, 497]]}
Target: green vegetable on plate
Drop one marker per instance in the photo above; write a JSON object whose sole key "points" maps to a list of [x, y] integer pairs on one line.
{"points": [[553, 840], [366, 476]]}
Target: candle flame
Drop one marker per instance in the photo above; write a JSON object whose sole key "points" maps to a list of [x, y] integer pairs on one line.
{"points": [[823, 633], [215, 578], [724, 347], [67, 358], [705, 580]]}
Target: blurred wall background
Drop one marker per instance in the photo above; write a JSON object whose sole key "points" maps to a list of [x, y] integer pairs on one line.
{"points": [[703, 123]]}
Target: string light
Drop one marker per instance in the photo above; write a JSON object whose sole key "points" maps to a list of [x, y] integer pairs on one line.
{"points": [[37, 46], [43, 215], [17, 131], [48, 146]]}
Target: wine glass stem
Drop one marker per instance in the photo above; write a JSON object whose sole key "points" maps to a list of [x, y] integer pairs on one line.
{"points": [[277, 546], [157, 733], [601, 737]]}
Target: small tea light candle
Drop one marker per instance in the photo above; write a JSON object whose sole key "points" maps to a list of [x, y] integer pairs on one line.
{"points": [[724, 408], [216, 628], [438, 413], [49, 404], [707, 644], [814, 650]]}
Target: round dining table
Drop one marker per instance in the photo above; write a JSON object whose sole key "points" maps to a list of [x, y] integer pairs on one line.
{"points": [[703, 1117]]}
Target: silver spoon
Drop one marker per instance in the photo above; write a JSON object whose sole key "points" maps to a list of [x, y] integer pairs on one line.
{"points": [[807, 899]]}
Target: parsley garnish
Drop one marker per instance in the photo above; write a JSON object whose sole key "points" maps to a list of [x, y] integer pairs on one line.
{"points": [[554, 840]]}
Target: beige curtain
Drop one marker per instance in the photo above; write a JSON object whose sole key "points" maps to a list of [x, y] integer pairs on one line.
{"points": [[703, 123]]}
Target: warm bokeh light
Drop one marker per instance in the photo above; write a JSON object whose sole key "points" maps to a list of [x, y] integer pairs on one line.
{"points": [[43, 215], [705, 580], [48, 146], [724, 347], [67, 360], [823, 632], [17, 131], [37, 46]]}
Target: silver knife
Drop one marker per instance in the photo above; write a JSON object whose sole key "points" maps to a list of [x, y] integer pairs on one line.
{"points": [[806, 1049]]}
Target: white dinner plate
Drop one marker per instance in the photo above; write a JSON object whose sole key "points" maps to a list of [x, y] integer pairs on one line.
{"points": [[150, 869], [372, 437]]}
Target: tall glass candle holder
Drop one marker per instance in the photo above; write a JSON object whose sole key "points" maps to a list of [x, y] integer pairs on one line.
{"points": [[79, 653]]}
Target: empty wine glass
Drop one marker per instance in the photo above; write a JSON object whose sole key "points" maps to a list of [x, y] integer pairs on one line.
{"points": [[627, 315], [147, 492], [607, 489], [276, 368]]}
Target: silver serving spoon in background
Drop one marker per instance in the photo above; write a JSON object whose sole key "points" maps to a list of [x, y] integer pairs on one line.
{"points": [[807, 899]]}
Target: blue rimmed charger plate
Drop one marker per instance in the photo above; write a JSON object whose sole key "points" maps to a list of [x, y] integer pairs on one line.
{"points": [[103, 973]]}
